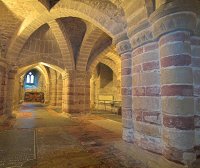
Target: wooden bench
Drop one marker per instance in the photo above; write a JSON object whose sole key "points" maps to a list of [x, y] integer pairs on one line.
{"points": [[106, 100]]}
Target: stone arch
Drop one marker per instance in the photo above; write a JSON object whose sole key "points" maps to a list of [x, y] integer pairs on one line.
{"points": [[150, 6], [30, 61], [38, 66], [110, 21], [110, 54], [63, 42], [86, 47], [20, 74], [44, 45], [111, 65]]}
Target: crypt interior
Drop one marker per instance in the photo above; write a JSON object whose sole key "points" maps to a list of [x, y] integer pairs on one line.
{"points": [[119, 76]]}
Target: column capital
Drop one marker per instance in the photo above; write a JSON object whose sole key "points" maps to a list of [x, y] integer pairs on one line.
{"points": [[124, 47], [120, 37], [173, 16]]}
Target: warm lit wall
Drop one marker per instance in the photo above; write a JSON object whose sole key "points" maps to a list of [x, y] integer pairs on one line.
{"points": [[55, 88], [105, 82]]}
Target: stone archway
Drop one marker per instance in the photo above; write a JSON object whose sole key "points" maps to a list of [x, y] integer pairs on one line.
{"points": [[160, 106], [66, 9], [19, 83]]}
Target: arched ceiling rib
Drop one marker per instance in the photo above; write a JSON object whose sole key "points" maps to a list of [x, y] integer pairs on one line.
{"points": [[102, 18], [110, 17], [64, 43]]}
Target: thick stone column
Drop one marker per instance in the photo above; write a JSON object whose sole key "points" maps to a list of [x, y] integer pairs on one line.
{"points": [[76, 92], [10, 92], [146, 97], [165, 80], [195, 47], [59, 86], [2, 90], [124, 49], [92, 92], [53, 89], [177, 97]]}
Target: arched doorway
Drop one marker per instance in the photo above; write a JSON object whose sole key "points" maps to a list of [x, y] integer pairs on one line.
{"points": [[33, 86]]}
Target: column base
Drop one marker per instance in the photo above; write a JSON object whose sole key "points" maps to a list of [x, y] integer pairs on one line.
{"points": [[3, 119], [128, 134], [150, 159]]}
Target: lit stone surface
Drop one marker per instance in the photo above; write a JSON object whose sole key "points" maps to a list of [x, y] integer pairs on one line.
{"points": [[139, 59]]}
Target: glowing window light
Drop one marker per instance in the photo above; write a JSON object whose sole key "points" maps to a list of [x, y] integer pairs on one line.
{"points": [[30, 78]]}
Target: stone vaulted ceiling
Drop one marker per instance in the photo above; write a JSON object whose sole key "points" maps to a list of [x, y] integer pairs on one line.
{"points": [[80, 29]]}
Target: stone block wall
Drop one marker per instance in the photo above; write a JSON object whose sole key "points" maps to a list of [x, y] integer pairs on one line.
{"points": [[105, 82]]}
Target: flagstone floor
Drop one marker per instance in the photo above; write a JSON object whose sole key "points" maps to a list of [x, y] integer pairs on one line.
{"points": [[40, 137]]}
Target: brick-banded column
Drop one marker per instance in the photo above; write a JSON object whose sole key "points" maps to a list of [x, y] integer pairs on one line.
{"points": [[2, 90], [177, 97], [76, 92], [53, 89], [195, 47], [146, 97], [124, 49], [82, 91], [68, 93], [10, 92], [59, 85], [92, 92]]}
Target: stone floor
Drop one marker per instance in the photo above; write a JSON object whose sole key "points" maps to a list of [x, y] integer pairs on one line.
{"points": [[42, 138]]}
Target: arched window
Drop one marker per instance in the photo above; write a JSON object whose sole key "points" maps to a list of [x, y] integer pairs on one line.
{"points": [[30, 78]]}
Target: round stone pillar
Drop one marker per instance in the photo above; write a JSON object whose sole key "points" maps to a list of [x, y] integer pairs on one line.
{"points": [[10, 92], [195, 47], [76, 92], [68, 93], [177, 97], [59, 86], [124, 49], [53, 89], [2, 90], [92, 92]]}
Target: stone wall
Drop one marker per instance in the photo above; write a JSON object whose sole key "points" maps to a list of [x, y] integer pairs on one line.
{"points": [[105, 82]]}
